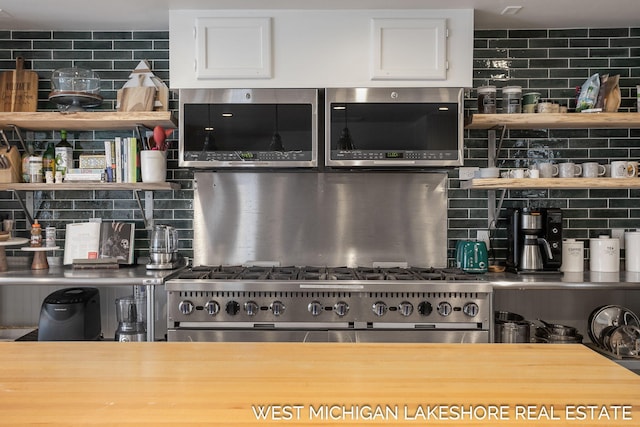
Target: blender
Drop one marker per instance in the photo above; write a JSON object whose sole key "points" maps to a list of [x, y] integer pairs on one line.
{"points": [[131, 314], [163, 248]]}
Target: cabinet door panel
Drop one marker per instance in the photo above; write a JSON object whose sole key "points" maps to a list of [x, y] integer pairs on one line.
{"points": [[233, 48], [413, 49]]}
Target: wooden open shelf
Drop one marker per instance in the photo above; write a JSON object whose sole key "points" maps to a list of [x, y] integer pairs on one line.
{"points": [[555, 121], [550, 183], [87, 121]]}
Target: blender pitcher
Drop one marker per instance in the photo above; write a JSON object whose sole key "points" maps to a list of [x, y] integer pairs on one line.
{"points": [[163, 245]]}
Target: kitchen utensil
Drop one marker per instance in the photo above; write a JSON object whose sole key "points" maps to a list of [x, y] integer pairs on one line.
{"points": [[487, 100], [137, 99], [131, 317], [556, 329], [569, 170], [604, 254], [19, 89], [153, 165], [632, 251], [11, 163], [71, 314], [543, 335], [163, 247], [74, 89], [473, 256], [609, 315], [572, 256], [507, 316], [625, 340]]}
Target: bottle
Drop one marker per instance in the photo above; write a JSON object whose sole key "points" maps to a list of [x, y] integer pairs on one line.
{"points": [[34, 167], [49, 163], [64, 154], [36, 235], [26, 176]]}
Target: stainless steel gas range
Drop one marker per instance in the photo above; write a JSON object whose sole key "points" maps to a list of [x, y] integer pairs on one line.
{"points": [[335, 304], [388, 228]]}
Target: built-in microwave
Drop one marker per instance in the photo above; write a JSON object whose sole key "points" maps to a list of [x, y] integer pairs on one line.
{"points": [[394, 127], [231, 128]]}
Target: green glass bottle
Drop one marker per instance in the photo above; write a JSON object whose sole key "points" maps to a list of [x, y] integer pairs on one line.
{"points": [[64, 154], [49, 163]]}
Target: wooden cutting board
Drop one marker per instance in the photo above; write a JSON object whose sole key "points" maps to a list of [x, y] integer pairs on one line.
{"points": [[19, 89]]}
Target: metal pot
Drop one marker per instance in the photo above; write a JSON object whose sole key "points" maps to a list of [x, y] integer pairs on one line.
{"points": [[513, 332], [562, 330], [507, 316]]}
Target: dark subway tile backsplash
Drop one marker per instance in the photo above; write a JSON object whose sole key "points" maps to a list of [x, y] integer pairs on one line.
{"points": [[553, 62]]}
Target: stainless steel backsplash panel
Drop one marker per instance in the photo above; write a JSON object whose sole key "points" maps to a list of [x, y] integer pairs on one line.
{"points": [[315, 218]]}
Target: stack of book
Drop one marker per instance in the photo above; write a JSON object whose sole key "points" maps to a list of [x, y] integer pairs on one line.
{"points": [[119, 163], [122, 160], [92, 169]]}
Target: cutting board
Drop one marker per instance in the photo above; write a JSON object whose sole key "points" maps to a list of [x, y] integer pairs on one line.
{"points": [[19, 89], [136, 98]]}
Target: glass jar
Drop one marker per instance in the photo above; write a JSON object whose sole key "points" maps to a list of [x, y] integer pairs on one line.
{"points": [[487, 100], [512, 99]]}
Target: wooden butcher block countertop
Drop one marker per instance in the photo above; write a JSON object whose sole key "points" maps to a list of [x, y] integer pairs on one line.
{"points": [[223, 384]]}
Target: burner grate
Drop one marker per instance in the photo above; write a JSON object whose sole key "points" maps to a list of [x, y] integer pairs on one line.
{"points": [[326, 273]]}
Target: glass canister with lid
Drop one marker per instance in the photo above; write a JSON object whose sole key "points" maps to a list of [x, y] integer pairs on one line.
{"points": [[512, 99], [487, 100]]}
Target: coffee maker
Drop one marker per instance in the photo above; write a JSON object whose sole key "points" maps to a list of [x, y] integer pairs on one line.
{"points": [[535, 240]]}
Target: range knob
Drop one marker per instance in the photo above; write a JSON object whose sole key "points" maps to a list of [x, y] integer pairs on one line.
{"points": [[444, 309], [212, 308], [341, 308], [406, 308], [315, 308], [185, 307], [470, 309], [425, 308], [277, 307], [232, 308], [379, 308], [251, 307]]}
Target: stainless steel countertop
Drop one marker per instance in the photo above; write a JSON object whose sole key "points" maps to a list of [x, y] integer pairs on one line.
{"points": [[56, 275], [583, 280]]}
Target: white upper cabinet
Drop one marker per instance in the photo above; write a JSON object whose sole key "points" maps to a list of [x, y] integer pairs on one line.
{"points": [[320, 48], [233, 48], [411, 49]]}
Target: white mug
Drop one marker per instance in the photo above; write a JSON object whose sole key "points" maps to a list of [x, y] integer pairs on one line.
{"points": [[516, 173], [533, 173], [622, 169], [592, 170], [569, 170], [548, 170]]}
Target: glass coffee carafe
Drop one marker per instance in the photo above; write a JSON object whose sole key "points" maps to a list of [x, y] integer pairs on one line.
{"points": [[163, 245]]}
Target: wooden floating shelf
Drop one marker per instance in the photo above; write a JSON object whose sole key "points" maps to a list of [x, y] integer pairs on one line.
{"points": [[68, 186], [550, 183], [555, 121], [87, 121]]}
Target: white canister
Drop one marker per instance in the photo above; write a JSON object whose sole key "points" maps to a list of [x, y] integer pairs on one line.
{"points": [[604, 254], [572, 255], [632, 250]]}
